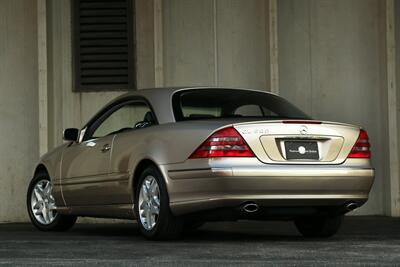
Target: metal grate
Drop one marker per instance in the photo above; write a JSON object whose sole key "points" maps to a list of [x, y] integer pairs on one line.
{"points": [[104, 46]]}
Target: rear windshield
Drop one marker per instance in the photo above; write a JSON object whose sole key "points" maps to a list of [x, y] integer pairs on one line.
{"points": [[203, 104]]}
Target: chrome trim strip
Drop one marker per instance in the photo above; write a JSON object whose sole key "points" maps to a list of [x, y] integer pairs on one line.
{"points": [[95, 179], [277, 197], [270, 171], [187, 170], [200, 173], [296, 172]]}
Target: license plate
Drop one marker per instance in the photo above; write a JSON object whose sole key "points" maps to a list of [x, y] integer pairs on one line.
{"points": [[301, 150]]}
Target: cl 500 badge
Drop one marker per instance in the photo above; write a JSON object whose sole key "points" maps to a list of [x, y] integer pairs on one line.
{"points": [[255, 131]]}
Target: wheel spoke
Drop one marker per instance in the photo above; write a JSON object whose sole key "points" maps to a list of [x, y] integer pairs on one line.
{"points": [[156, 200], [154, 209], [148, 218], [49, 191], [38, 194], [40, 188], [46, 189], [143, 205], [153, 185], [148, 184], [45, 215], [157, 192], [145, 193]]}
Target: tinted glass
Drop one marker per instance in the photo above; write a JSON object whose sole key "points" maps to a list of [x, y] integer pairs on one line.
{"points": [[125, 118], [230, 103]]}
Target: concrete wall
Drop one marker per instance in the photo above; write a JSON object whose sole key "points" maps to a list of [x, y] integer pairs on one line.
{"points": [[397, 66], [207, 42], [330, 60], [397, 51], [72, 109], [331, 63], [18, 105], [211, 42]]}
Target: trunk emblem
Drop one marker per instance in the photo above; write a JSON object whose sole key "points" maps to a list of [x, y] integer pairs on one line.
{"points": [[303, 129]]}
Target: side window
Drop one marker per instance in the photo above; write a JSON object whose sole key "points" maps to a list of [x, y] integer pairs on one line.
{"points": [[129, 116], [201, 112], [269, 113], [254, 111], [249, 111]]}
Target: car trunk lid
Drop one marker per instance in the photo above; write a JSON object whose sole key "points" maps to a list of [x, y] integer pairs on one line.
{"points": [[299, 141]]}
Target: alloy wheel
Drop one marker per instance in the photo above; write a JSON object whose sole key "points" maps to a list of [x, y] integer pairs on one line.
{"points": [[42, 202], [149, 203]]}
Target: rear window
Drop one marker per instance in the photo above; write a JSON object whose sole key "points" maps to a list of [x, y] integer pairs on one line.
{"points": [[203, 104]]}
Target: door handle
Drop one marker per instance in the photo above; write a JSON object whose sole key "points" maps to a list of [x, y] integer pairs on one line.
{"points": [[105, 148]]}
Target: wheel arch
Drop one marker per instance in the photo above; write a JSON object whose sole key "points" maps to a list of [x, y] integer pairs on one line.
{"points": [[45, 167], [41, 168], [140, 167]]}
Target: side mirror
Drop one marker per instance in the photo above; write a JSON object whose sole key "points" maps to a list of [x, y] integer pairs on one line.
{"points": [[71, 134]]}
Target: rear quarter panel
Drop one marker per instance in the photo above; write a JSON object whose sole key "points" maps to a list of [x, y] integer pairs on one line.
{"points": [[163, 144]]}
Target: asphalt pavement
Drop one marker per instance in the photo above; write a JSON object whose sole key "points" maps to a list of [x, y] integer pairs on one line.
{"points": [[362, 241]]}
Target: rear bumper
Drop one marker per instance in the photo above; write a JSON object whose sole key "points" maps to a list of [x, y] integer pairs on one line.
{"points": [[194, 190]]}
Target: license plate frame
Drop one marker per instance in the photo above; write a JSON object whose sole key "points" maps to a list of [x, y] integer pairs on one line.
{"points": [[301, 150]]}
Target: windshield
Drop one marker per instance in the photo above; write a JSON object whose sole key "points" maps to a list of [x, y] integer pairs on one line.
{"points": [[203, 104]]}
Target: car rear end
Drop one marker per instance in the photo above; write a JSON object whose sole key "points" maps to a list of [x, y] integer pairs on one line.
{"points": [[273, 168]]}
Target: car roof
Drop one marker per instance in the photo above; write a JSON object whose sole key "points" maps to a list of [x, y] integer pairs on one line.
{"points": [[162, 91], [160, 99]]}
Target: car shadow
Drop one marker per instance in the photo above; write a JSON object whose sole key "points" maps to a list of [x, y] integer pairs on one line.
{"points": [[253, 231], [368, 228], [210, 232]]}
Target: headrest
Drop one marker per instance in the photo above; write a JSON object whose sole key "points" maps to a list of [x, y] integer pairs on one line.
{"points": [[149, 117]]}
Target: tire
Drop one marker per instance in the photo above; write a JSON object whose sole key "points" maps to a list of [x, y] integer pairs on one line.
{"points": [[319, 227], [58, 222], [164, 225]]}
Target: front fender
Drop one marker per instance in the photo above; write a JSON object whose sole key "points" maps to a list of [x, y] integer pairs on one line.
{"points": [[51, 163]]}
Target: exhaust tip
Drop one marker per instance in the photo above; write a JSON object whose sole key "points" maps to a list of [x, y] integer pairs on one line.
{"points": [[250, 207], [351, 206]]}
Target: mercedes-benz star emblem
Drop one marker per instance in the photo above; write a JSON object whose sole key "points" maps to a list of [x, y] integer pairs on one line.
{"points": [[303, 129]]}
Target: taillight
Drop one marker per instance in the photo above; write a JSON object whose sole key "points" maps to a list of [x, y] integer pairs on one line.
{"points": [[361, 147], [226, 142]]}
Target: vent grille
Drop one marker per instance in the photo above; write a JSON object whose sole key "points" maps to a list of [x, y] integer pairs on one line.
{"points": [[104, 46]]}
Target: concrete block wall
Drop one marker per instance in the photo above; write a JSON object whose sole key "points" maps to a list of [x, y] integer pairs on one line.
{"points": [[73, 109], [331, 60], [19, 125], [397, 59], [223, 43], [331, 65]]}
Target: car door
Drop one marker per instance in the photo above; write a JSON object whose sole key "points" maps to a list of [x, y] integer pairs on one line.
{"points": [[84, 166], [85, 170]]}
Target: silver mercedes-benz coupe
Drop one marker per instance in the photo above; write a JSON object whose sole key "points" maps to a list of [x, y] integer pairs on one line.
{"points": [[174, 158]]}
